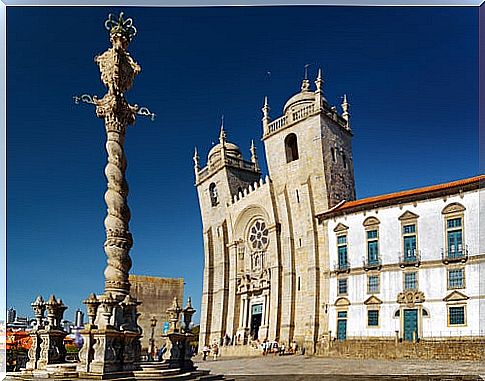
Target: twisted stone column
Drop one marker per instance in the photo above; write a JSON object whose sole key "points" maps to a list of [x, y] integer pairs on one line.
{"points": [[118, 70]]}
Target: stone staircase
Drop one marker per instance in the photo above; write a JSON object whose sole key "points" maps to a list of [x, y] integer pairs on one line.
{"points": [[148, 371]]}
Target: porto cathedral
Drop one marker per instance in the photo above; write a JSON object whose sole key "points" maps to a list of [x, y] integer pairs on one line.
{"points": [[294, 257]]}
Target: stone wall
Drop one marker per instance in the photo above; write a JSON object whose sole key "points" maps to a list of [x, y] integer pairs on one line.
{"points": [[156, 295], [385, 348]]}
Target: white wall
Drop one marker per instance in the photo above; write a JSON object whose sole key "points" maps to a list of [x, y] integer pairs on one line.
{"points": [[432, 277]]}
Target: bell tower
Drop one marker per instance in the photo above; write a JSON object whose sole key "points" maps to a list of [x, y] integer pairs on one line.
{"points": [[225, 176], [311, 143], [309, 156]]}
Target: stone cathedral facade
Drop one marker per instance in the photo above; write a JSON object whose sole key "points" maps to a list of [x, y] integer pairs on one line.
{"points": [[294, 257], [263, 260]]}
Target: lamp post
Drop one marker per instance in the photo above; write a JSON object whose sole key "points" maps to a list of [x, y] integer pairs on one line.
{"points": [[153, 324]]}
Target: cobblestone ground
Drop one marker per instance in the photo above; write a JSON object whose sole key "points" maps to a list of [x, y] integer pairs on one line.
{"points": [[276, 368]]}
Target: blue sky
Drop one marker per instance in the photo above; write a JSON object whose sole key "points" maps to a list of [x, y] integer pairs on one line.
{"points": [[411, 75]]}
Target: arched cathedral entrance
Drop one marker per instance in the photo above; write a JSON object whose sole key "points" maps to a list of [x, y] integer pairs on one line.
{"points": [[253, 284]]}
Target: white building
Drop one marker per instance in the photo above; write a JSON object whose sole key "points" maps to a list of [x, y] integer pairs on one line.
{"points": [[407, 264]]}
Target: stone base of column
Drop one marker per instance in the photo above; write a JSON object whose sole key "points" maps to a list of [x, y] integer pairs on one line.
{"points": [[109, 350], [52, 349], [178, 353]]}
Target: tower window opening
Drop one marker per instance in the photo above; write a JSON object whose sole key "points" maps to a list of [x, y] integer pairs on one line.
{"points": [[297, 196], [344, 159], [332, 152], [291, 148], [299, 284], [213, 194]]}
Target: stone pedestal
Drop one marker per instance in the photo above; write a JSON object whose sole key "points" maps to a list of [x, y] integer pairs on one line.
{"points": [[47, 338], [52, 349], [108, 345], [178, 352]]}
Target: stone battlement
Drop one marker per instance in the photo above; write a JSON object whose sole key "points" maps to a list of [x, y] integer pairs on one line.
{"points": [[252, 188]]}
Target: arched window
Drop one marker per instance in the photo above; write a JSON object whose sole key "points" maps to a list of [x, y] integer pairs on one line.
{"points": [[213, 194], [332, 151], [344, 160], [291, 148]]}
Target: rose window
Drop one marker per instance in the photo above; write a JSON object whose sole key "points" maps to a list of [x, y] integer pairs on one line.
{"points": [[258, 236]]}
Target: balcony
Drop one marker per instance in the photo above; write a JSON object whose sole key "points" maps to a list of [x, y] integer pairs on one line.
{"points": [[342, 267], [372, 263], [453, 255], [411, 258]]}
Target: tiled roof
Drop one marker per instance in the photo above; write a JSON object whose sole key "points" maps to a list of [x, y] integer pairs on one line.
{"points": [[407, 195]]}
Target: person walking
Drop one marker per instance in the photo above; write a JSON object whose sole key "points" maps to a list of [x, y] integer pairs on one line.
{"points": [[205, 350], [215, 350]]}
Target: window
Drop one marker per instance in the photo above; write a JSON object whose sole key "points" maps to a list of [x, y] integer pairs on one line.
{"points": [[373, 284], [297, 196], [372, 247], [213, 194], [299, 284], [342, 286], [409, 242], [410, 281], [373, 318], [291, 148], [332, 151], [454, 237], [456, 278], [342, 252], [344, 160], [456, 315]]}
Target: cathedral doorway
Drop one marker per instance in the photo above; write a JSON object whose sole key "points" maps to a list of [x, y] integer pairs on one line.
{"points": [[256, 319]]}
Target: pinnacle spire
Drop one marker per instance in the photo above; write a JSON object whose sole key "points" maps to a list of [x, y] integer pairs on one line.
{"points": [[196, 157], [319, 80], [345, 108], [222, 135], [305, 84], [196, 164], [254, 156]]}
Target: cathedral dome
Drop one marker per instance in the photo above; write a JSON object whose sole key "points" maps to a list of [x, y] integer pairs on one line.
{"points": [[302, 98], [232, 150]]}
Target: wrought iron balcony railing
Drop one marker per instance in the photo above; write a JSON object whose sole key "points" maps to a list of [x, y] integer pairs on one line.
{"points": [[451, 255], [342, 266], [410, 258], [372, 263]]}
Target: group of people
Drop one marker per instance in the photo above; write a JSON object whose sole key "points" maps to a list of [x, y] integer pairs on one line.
{"points": [[273, 347]]}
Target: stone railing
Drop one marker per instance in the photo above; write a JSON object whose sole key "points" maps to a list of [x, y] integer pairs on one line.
{"points": [[302, 113], [291, 118], [205, 172], [276, 124]]}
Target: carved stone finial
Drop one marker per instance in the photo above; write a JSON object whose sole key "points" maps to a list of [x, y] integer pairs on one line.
{"points": [[345, 109], [120, 26], [188, 312], [305, 85], [222, 134], [92, 303], [254, 156], [319, 80], [39, 309]]}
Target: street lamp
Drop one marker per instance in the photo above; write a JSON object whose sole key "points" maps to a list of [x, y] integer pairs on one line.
{"points": [[153, 323]]}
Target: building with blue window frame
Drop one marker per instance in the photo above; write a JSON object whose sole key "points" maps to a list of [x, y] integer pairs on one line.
{"points": [[414, 254]]}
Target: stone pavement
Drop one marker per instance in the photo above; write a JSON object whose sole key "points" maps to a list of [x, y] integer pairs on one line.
{"points": [[303, 368]]}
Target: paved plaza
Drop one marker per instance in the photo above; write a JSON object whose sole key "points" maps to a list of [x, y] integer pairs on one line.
{"points": [[305, 368]]}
